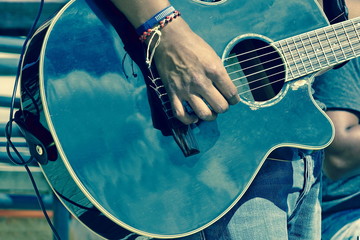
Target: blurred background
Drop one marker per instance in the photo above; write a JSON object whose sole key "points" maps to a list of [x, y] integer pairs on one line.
{"points": [[20, 215]]}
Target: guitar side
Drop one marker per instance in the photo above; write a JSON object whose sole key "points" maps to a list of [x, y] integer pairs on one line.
{"points": [[98, 115]]}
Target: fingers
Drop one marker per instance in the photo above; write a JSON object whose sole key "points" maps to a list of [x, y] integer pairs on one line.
{"points": [[215, 99], [223, 83], [205, 101], [180, 112], [201, 109], [194, 109], [205, 107], [214, 94]]}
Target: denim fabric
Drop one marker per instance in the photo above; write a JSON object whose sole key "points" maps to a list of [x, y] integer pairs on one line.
{"points": [[281, 203]]}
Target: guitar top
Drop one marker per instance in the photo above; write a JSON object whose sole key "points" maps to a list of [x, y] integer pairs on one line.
{"points": [[112, 167]]}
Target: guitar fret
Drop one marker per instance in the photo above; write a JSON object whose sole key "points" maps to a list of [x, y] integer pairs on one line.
{"points": [[349, 38], [348, 47], [300, 56], [292, 67], [356, 31], [357, 37], [330, 46], [309, 48], [322, 48], [316, 48], [307, 51], [338, 42]]}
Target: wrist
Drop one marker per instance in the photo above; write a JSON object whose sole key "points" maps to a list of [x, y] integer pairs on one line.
{"points": [[174, 31], [158, 18], [155, 24], [139, 11]]}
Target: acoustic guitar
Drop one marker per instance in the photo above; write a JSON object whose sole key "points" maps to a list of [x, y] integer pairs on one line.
{"points": [[125, 167]]}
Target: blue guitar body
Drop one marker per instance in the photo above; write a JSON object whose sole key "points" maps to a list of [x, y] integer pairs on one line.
{"points": [[84, 80]]}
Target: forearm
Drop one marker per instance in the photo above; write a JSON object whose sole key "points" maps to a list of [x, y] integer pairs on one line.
{"points": [[343, 155], [353, 7]]}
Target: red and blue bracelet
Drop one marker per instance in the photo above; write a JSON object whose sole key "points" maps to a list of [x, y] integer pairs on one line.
{"points": [[159, 20]]}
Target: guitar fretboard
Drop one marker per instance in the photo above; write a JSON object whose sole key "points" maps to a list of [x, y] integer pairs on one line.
{"points": [[319, 49]]}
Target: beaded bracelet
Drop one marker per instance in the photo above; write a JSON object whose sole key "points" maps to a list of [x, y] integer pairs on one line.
{"points": [[145, 32], [155, 19]]}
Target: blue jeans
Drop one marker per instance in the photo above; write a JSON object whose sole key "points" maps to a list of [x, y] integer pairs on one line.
{"points": [[283, 202]]}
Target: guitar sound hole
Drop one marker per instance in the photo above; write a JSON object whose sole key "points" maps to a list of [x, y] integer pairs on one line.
{"points": [[209, 1], [257, 70]]}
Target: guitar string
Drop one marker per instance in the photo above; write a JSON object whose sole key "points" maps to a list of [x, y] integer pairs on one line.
{"points": [[288, 63], [308, 42], [297, 60], [335, 27], [290, 68], [304, 43], [293, 47], [167, 110], [261, 86]]}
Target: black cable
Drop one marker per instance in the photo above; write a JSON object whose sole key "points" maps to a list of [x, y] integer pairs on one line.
{"points": [[8, 130], [75, 203], [9, 143]]}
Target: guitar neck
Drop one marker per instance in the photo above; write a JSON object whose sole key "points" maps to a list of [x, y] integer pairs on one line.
{"points": [[320, 49]]}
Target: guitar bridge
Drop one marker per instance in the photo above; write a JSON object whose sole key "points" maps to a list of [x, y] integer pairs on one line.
{"points": [[185, 139]]}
